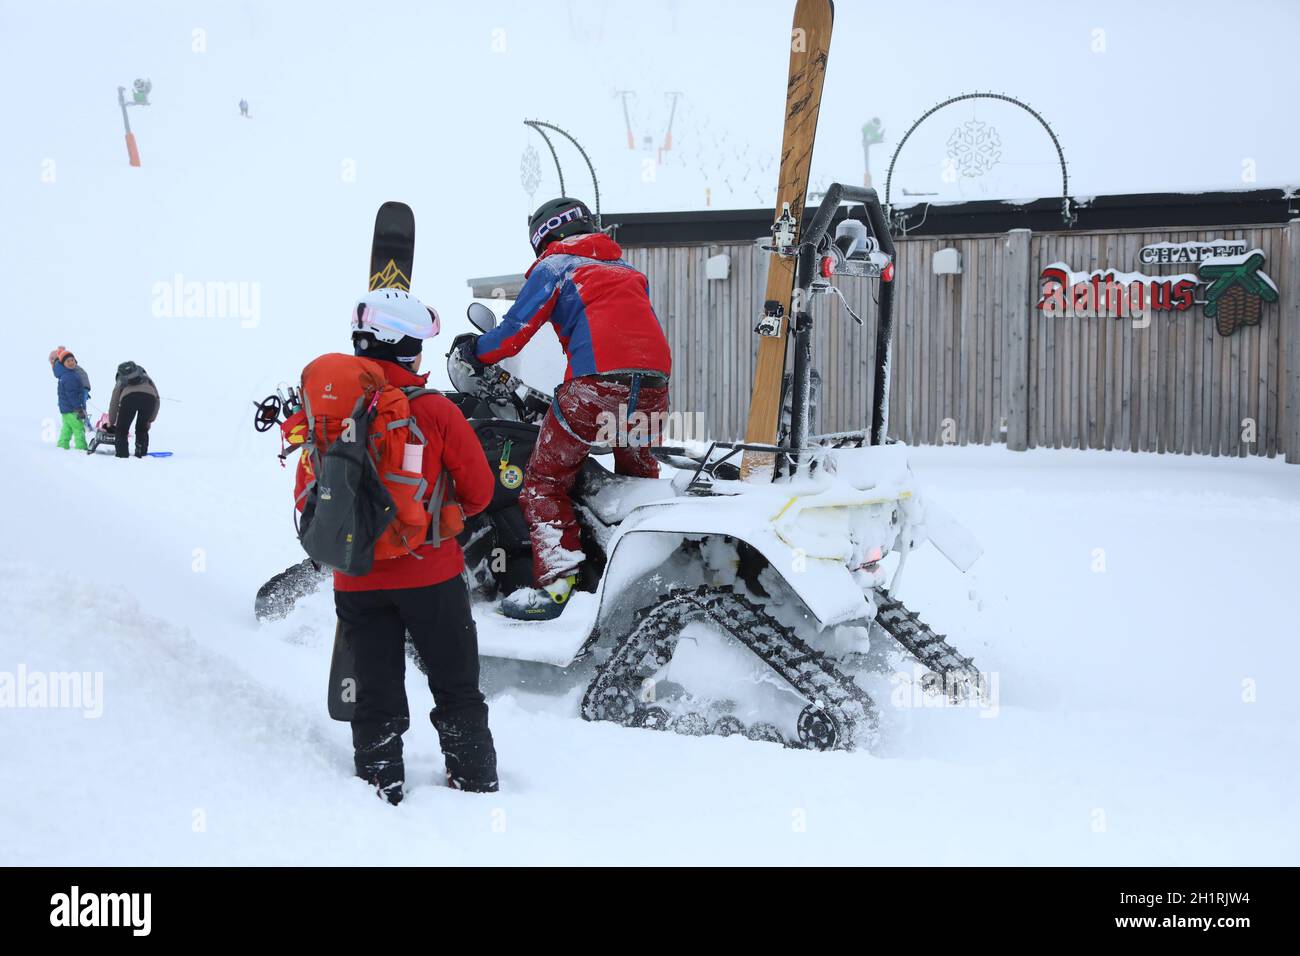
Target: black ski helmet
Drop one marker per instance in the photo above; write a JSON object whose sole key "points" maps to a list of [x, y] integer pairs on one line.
{"points": [[559, 219]]}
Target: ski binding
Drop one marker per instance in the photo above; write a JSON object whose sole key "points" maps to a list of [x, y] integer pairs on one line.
{"points": [[769, 323], [784, 233]]}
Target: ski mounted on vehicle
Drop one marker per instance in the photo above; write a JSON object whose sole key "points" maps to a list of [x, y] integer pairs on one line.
{"points": [[810, 42]]}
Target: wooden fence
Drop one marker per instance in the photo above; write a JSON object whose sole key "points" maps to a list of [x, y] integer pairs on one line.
{"points": [[974, 361]]}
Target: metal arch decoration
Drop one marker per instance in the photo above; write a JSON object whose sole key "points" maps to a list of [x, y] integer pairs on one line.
{"points": [[541, 129], [1067, 211]]}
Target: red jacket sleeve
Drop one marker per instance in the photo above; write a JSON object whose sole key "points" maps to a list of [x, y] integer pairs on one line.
{"points": [[461, 455]]}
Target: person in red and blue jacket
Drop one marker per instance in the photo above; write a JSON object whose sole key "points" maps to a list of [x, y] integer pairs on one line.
{"points": [[618, 362]]}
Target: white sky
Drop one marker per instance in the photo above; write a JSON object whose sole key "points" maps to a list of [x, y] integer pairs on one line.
{"points": [[415, 96]]}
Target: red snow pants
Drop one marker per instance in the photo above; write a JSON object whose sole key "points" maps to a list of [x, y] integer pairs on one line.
{"points": [[591, 407]]}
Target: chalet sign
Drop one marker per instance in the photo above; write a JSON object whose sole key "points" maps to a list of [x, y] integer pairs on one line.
{"points": [[1229, 284], [1189, 253]]}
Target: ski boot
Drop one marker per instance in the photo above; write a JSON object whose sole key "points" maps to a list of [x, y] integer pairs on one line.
{"points": [[387, 777], [377, 757], [540, 604], [469, 754]]}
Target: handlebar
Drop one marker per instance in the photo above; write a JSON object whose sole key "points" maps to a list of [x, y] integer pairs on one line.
{"points": [[839, 193], [812, 242]]}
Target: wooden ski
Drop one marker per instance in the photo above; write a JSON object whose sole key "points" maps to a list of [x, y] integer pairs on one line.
{"points": [[810, 40]]}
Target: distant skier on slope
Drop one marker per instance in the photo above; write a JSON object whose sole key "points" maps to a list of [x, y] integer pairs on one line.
{"points": [[243, 108], [74, 392], [421, 592], [135, 399], [618, 360]]}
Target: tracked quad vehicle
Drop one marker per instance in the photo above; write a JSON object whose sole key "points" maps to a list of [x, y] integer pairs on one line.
{"points": [[711, 604]]}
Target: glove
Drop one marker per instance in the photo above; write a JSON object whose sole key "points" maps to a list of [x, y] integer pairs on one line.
{"points": [[81, 413], [465, 351]]}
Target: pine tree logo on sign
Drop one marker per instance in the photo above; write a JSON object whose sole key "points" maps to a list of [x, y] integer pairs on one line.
{"points": [[1237, 292]]}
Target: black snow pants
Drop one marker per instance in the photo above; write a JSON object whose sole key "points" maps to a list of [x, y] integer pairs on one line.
{"points": [[141, 407], [375, 624]]}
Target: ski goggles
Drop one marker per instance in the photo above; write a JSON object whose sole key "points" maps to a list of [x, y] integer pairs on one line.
{"points": [[391, 327]]}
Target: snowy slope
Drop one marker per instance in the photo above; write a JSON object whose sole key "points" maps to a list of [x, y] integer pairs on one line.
{"points": [[1120, 692]]}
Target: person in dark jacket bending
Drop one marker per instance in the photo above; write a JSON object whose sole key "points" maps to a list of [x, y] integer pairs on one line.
{"points": [[135, 398]]}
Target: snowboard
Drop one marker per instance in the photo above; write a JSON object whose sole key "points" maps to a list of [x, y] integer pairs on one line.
{"points": [[342, 701], [392, 255], [277, 597], [343, 683], [810, 40], [392, 249]]}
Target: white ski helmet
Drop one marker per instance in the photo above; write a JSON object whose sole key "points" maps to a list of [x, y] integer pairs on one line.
{"points": [[391, 315]]}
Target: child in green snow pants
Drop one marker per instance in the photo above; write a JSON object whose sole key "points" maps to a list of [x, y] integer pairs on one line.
{"points": [[74, 428], [74, 389]]}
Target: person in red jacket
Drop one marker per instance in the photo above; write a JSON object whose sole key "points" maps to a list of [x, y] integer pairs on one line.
{"points": [[424, 593], [619, 363]]}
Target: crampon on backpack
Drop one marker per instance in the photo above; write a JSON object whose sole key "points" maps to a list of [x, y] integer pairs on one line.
{"points": [[358, 503]]}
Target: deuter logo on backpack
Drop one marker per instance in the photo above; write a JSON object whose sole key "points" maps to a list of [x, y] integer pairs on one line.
{"points": [[360, 487]]}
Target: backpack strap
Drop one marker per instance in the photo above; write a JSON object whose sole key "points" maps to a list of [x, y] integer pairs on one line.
{"points": [[420, 483], [306, 407], [411, 426], [412, 392], [313, 456], [443, 491]]}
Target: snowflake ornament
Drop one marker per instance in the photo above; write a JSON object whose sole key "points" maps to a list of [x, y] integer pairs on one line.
{"points": [[530, 170], [974, 148]]}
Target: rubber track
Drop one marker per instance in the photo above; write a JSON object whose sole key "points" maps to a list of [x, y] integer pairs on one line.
{"points": [[958, 674], [614, 693]]}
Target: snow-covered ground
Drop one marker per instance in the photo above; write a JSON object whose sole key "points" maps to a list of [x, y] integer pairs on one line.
{"points": [[1145, 713]]}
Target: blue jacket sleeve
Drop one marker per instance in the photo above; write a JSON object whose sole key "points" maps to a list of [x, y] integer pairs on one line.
{"points": [[530, 311], [71, 395]]}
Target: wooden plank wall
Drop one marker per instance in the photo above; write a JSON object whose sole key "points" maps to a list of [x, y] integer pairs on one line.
{"points": [[1175, 386]]}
